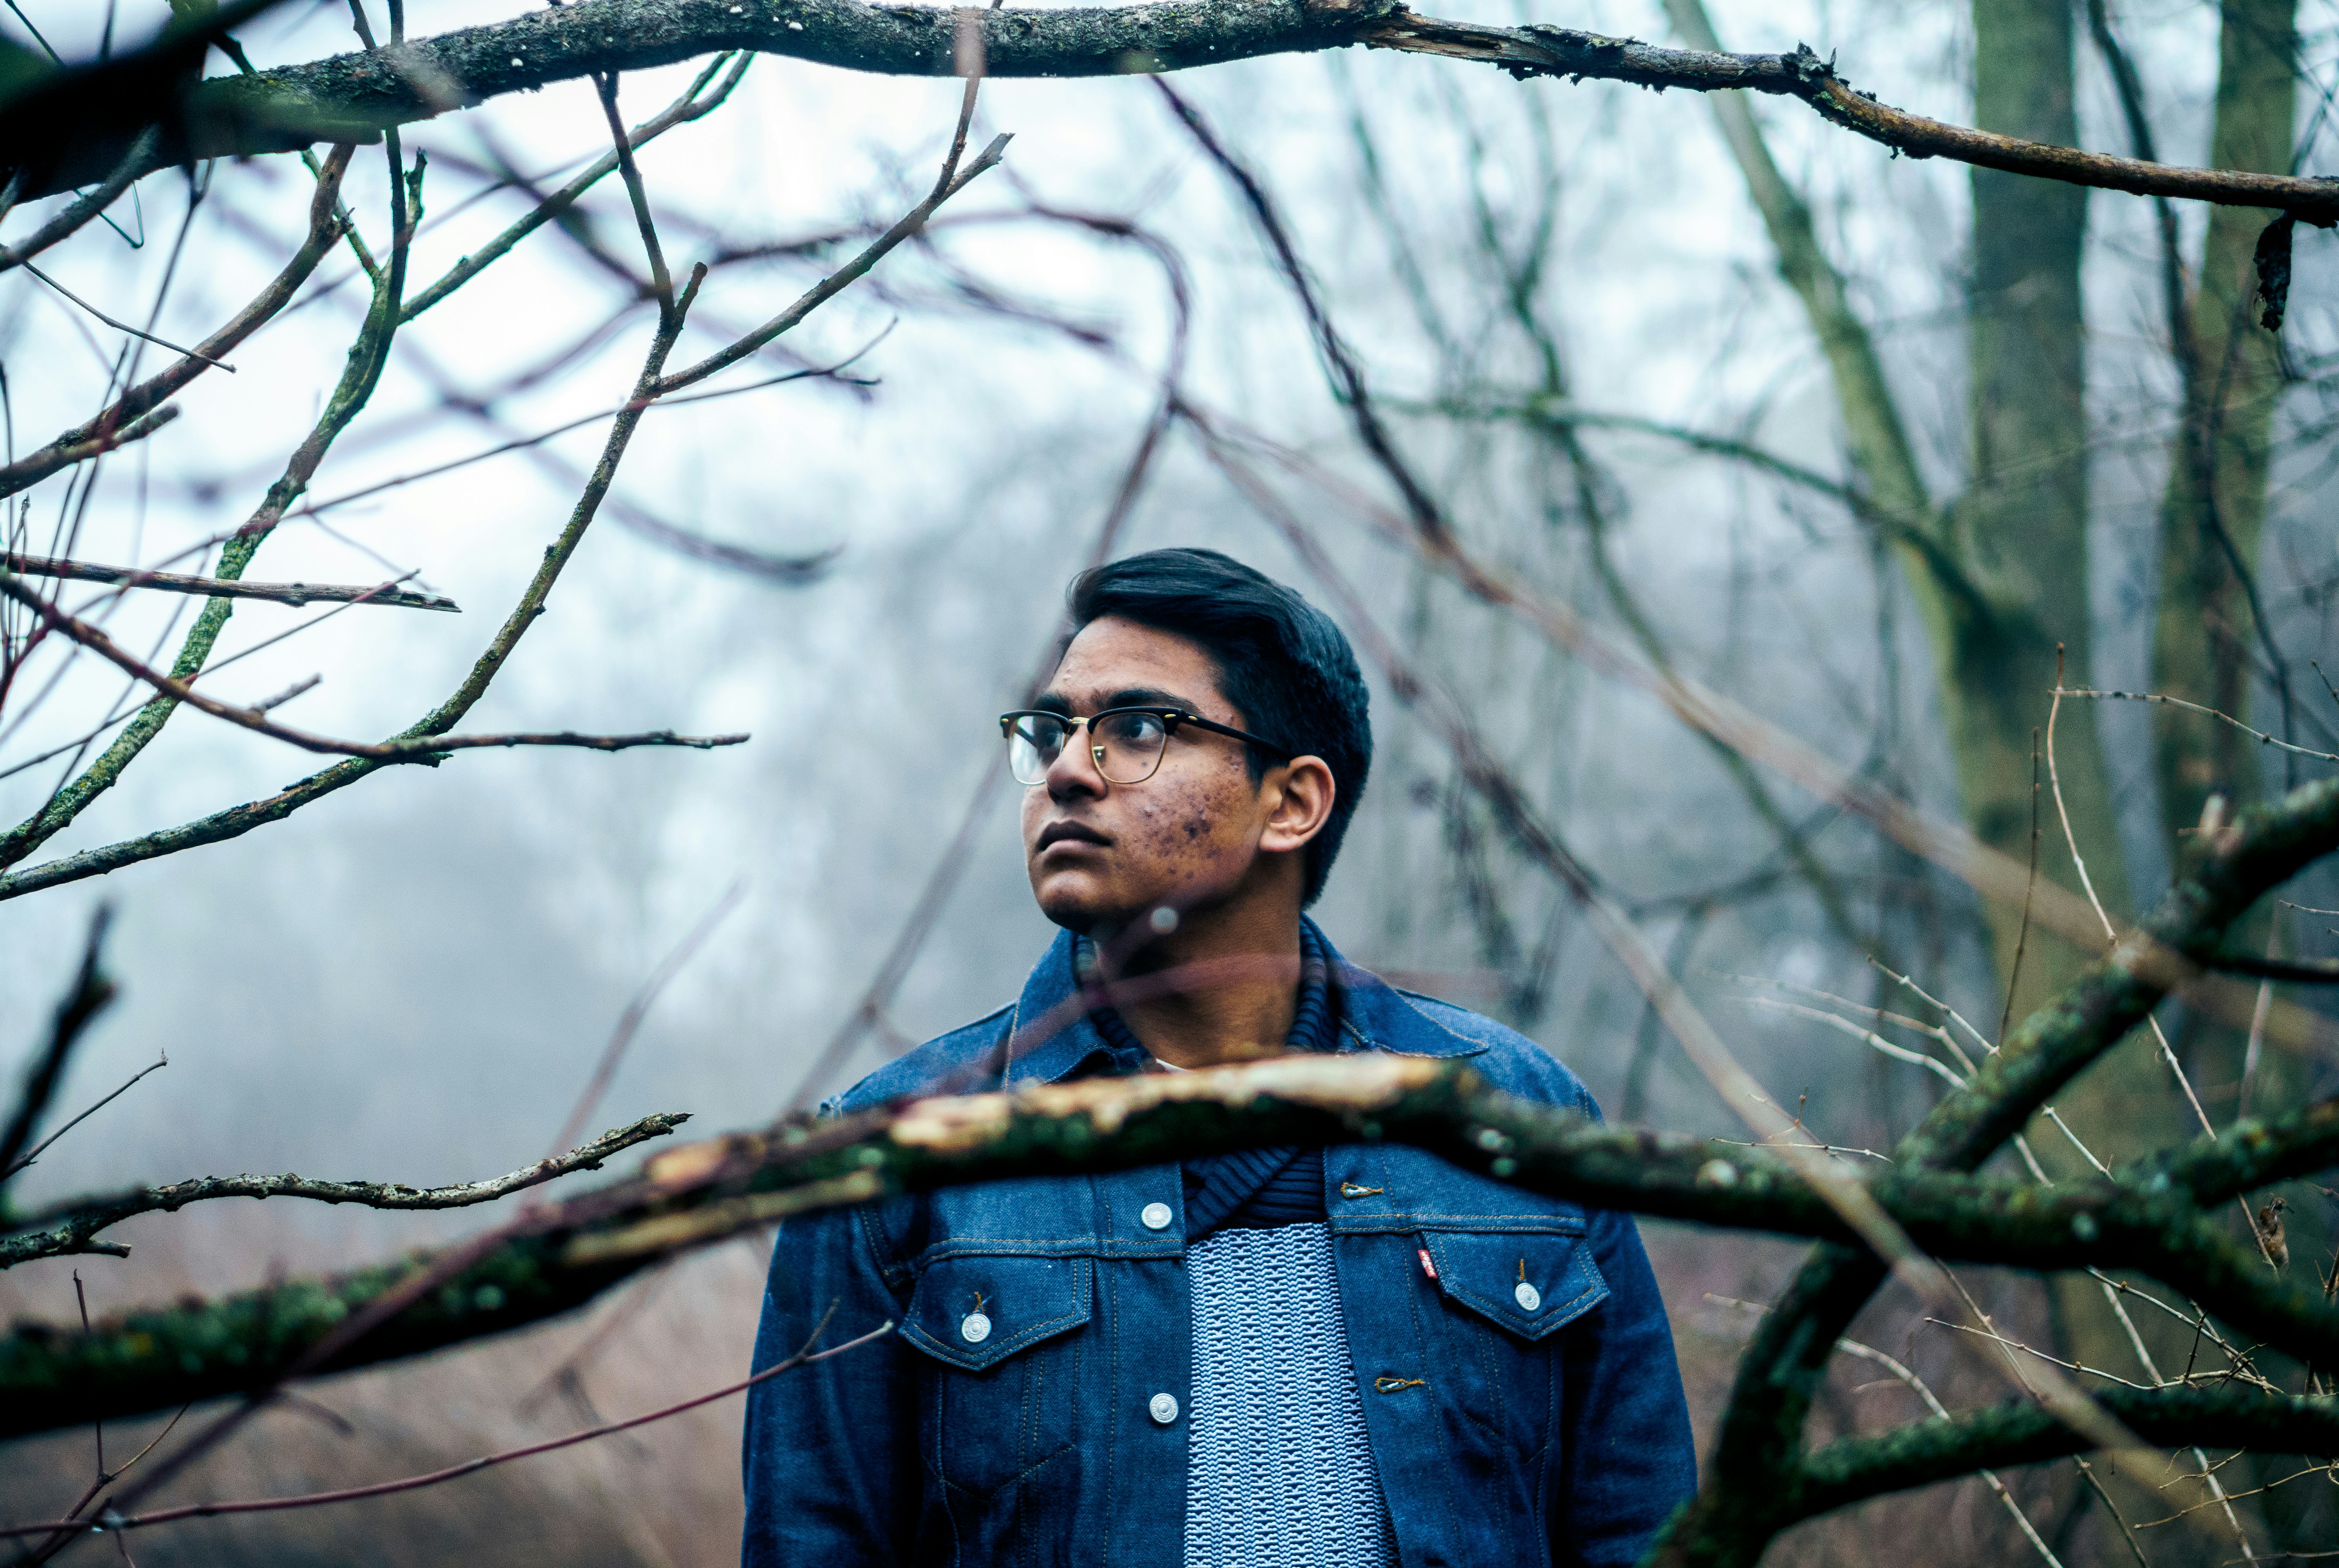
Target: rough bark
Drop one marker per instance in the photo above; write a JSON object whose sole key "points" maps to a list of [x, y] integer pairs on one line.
{"points": [[72, 127], [2149, 1221]]}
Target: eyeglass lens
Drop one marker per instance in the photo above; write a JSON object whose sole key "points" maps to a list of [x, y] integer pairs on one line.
{"points": [[1128, 745]]}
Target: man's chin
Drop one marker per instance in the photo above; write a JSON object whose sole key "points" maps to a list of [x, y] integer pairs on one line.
{"points": [[1082, 910]]}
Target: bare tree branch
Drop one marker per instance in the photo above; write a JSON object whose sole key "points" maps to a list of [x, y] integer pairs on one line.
{"points": [[416, 748], [67, 1227], [353, 95], [64, 452], [296, 594]]}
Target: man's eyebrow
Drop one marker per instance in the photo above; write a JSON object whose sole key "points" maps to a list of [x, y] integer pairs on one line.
{"points": [[1146, 697], [1128, 697]]}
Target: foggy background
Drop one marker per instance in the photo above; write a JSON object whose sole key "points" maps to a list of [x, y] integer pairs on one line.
{"points": [[412, 979]]}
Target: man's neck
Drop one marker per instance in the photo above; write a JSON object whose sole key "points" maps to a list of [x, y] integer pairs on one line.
{"points": [[1235, 987]]}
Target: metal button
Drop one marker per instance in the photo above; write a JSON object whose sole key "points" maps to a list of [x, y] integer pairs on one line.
{"points": [[1163, 1408], [1529, 1298], [1156, 1217], [974, 1328]]}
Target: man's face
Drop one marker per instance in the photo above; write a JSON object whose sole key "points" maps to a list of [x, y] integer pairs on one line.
{"points": [[1102, 854]]}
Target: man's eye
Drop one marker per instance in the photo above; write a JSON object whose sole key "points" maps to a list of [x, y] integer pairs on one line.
{"points": [[1045, 735], [1133, 730]]}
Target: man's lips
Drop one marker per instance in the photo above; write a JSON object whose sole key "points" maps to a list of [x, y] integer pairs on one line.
{"points": [[1057, 832]]}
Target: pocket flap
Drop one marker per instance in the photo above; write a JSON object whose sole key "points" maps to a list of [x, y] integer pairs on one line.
{"points": [[974, 1312], [1528, 1284]]}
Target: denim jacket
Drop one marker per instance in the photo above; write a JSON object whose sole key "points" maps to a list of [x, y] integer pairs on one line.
{"points": [[1509, 1424]]}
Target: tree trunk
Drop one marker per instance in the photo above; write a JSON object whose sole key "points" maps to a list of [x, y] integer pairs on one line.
{"points": [[2207, 634], [2003, 578], [2022, 523]]}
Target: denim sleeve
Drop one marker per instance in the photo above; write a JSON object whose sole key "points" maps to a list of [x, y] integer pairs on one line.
{"points": [[1628, 1455], [830, 1457]]}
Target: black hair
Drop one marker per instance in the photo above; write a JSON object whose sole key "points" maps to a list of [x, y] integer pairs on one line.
{"points": [[1281, 663]]}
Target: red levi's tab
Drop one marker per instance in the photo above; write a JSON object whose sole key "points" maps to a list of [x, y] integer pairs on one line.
{"points": [[1427, 1267]]}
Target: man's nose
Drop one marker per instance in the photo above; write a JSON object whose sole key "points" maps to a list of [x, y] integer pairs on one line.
{"points": [[1075, 771]]}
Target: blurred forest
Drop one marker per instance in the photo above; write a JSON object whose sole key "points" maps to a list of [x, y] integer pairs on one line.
{"points": [[1881, 448]]}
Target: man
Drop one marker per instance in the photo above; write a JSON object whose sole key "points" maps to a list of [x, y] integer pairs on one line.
{"points": [[1358, 1354]]}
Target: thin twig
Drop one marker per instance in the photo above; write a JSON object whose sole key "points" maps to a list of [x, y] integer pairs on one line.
{"points": [[2000, 1339], [124, 326], [41, 1147], [523, 442], [952, 180], [2022, 940], [1917, 1386], [661, 281], [638, 1009], [412, 747], [2264, 738]]}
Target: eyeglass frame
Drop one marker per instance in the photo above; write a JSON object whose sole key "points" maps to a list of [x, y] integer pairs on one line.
{"points": [[1170, 717]]}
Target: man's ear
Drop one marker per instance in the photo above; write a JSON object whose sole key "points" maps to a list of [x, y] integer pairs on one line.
{"points": [[1303, 794]]}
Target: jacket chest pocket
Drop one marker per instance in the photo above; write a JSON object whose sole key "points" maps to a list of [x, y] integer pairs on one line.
{"points": [[1528, 1283], [1004, 1367], [1504, 1295]]}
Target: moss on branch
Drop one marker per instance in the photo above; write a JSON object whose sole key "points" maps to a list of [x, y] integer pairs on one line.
{"points": [[699, 1193], [2004, 1435]]}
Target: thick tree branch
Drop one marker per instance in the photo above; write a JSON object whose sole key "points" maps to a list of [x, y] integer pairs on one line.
{"points": [[1923, 1452], [1539, 50], [114, 119], [67, 1227], [137, 159], [702, 1193], [2263, 847], [351, 97], [2228, 872], [296, 594]]}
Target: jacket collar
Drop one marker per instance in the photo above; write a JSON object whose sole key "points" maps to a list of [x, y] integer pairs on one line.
{"points": [[1060, 1043]]}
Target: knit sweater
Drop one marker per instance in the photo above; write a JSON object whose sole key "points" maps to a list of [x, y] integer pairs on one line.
{"points": [[1278, 1468]]}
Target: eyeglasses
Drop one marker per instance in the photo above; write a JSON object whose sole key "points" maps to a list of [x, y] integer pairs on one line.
{"points": [[1126, 743]]}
